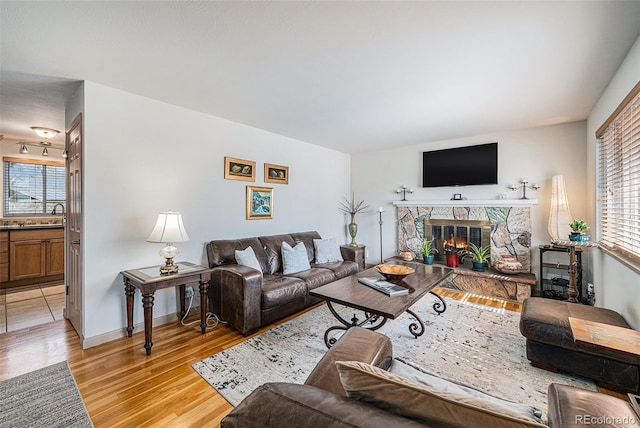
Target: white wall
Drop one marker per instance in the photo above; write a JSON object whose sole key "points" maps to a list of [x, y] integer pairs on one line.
{"points": [[535, 154], [617, 287], [142, 156]]}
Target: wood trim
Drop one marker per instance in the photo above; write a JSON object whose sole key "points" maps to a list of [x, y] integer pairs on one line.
{"points": [[635, 91], [33, 161]]}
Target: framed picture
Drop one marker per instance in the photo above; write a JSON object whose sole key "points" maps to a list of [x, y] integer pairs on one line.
{"points": [[239, 169], [259, 203], [276, 174]]}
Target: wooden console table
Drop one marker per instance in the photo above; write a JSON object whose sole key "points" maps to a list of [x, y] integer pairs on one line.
{"points": [[148, 280], [619, 339]]}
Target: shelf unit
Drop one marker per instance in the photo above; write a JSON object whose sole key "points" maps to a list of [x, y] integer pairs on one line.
{"points": [[558, 290]]}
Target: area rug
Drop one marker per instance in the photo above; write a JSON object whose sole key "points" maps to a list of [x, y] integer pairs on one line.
{"points": [[470, 343], [48, 397]]}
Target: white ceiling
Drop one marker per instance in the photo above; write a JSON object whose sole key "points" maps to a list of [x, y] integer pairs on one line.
{"points": [[351, 75]]}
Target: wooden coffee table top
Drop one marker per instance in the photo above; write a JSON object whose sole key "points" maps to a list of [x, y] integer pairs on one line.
{"points": [[349, 292], [620, 339]]}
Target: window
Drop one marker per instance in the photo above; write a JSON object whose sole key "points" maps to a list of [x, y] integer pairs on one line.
{"points": [[619, 180], [32, 187]]}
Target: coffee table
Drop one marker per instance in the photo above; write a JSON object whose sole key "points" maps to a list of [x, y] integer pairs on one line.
{"points": [[377, 306]]}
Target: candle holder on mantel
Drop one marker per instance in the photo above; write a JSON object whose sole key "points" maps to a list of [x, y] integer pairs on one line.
{"points": [[404, 190], [524, 186]]}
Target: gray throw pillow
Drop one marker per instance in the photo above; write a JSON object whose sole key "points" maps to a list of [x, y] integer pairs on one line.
{"points": [[247, 257], [294, 259], [327, 250]]}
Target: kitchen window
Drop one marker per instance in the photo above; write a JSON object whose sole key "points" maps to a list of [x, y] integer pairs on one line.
{"points": [[32, 187]]}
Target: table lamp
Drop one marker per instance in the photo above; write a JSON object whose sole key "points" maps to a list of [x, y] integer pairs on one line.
{"points": [[168, 229]]}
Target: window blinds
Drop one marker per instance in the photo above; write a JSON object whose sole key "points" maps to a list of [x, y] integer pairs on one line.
{"points": [[619, 178]]}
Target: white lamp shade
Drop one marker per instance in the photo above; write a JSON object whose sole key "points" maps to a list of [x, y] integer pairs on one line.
{"points": [[168, 228], [559, 212]]}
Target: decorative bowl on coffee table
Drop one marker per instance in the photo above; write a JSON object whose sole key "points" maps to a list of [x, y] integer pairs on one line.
{"points": [[394, 273]]}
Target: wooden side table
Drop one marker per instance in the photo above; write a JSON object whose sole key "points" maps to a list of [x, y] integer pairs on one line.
{"points": [[148, 280], [572, 245], [619, 339]]}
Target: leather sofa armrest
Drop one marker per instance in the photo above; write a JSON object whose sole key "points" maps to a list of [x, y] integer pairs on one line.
{"points": [[356, 344], [235, 296], [570, 407], [301, 406], [353, 254]]}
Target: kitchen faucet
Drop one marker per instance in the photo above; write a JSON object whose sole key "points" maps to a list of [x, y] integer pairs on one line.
{"points": [[53, 212]]}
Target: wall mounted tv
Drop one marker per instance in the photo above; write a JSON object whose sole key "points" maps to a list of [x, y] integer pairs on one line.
{"points": [[460, 166]]}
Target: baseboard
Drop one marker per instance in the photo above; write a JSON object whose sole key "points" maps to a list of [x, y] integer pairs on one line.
{"points": [[90, 342]]}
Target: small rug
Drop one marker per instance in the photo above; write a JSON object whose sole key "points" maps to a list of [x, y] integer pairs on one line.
{"points": [[470, 343], [48, 397]]}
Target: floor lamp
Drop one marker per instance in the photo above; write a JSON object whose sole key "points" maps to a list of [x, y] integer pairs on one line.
{"points": [[380, 211], [559, 212]]}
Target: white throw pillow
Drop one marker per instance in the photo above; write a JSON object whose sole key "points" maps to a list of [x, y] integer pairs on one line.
{"points": [[294, 259], [327, 250], [247, 257]]}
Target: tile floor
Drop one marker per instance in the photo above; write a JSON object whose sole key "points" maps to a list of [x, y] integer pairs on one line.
{"points": [[30, 306]]}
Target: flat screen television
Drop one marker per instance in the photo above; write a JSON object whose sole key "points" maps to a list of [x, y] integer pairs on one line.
{"points": [[460, 166]]}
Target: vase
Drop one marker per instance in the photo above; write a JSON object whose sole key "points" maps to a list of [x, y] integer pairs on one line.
{"points": [[353, 230], [478, 266], [428, 260], [407, 256], [452, 259], [508, 264]]}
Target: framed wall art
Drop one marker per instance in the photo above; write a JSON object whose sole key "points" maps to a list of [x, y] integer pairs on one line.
{"points": [[259, 203], [276, 174], [239, 169]]}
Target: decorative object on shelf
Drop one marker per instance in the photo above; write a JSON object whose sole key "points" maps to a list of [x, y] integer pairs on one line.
{"points": [[352, 208], [457, 197], [404, 190], [259, 203], [427, 251], [559, 212], [524, 185], [508, 264], [380, 211], [479, 255], [394, 273], [239, 169], [407, 255], [168, 229], [276, 174], [578, 227]]}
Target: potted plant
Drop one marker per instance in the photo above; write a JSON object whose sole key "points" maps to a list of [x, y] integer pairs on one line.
{"points": [[427, 251], [479, 256], [578, 227]]}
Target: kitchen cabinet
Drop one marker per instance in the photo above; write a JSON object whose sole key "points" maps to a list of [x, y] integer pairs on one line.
{"points": [[4, 256], [36, 253]]}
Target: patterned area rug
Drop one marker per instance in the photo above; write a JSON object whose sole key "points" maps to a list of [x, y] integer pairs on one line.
{"points": [[47, 397], [470, 343]]}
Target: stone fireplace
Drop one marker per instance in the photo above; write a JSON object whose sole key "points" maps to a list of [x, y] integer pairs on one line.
{"points": [[505, 225]]}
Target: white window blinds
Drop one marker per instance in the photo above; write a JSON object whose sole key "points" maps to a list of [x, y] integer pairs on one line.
{"points": [[619, 178]]}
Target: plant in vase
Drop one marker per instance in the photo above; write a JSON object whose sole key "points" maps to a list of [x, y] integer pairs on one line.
{"points": [[479, 256], [352, 208], [427, 251], [578, 227]]}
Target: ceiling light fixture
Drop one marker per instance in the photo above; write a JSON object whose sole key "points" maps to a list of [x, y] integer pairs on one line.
{"points": [[45, 132], [23, 149]]}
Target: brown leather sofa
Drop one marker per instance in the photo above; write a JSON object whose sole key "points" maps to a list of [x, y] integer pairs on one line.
{"points": [[550, 344], [322, 401], [248, 299]]}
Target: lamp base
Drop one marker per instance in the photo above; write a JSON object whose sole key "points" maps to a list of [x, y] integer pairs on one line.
{"points": [[168, 268]]}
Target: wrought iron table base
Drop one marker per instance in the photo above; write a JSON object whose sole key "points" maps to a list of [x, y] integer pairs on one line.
{"points": [[417, 328]]}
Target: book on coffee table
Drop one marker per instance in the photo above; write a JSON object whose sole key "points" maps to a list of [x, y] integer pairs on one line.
{"points": [[384, 286]]}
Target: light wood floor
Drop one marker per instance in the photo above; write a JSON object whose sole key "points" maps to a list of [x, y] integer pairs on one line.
{"points": [[123, 387]]}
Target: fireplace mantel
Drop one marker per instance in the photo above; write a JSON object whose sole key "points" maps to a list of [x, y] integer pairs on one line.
{"points": [[469, 203]]}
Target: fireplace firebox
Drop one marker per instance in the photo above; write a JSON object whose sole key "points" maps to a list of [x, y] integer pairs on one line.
{"points": [[453, 236]]}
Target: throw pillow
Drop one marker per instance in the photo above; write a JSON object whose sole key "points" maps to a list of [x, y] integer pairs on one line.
{"points": [[294, 259], [247, 257], [424, 403], [327, 250]]}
